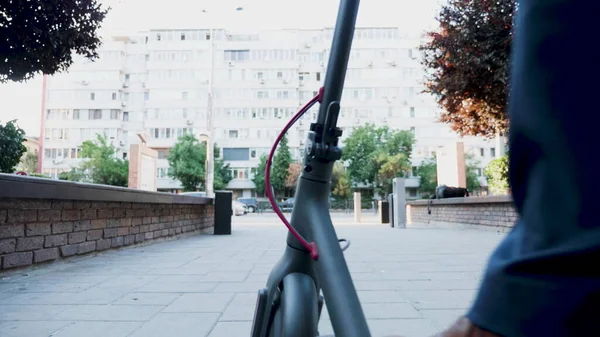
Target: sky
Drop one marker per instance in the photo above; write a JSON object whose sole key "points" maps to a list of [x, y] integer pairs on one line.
{"points": [[23, 101]]}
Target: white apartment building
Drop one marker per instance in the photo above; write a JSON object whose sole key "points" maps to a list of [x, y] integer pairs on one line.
{"points": [[158, 82]]}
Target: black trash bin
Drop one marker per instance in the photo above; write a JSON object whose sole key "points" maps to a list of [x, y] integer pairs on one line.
{"points": [[223, 212], [391, 209], [384, 211]]}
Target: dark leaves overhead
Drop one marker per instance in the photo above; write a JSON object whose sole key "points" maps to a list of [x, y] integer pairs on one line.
{"points": [[468, 64], [40, 36]]}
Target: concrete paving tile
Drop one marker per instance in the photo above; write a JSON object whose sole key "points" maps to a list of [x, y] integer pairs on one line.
{"points": [[30, 312], [108, 313], [39, 287], [98, 329], [208, 302], [229, 329], [31, 328], [443, 318], [240, 287], [177, 287], [178, 324], [146, 299]]}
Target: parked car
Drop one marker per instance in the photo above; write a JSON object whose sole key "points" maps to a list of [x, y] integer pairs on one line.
{"points": [[251, 203], [287, 205], [238, 208], [195, 194]]}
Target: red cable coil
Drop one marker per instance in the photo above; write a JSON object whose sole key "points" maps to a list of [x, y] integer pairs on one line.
{"points": [[310, 246]]}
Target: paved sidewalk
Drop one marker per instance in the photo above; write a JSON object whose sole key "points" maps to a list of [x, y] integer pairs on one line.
{"points": [[411, 282]]}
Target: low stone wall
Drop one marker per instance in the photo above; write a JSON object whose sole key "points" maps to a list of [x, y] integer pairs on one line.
{"points": [[43, 220], [492, 212]]}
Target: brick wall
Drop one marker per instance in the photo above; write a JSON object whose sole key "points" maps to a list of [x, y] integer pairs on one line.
{"points": [[491, 212], [39, 230]]}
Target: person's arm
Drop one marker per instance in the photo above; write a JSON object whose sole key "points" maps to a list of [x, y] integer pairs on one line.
{"points": [[543, 279]]}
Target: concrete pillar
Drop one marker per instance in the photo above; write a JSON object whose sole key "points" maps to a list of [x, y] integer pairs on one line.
{"points": [[357, 206], [399, 191], [451, 170], [500, 146]]}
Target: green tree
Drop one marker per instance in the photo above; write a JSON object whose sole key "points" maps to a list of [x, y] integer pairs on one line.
{"points": [[187, 160], [75, 174], [259, 175], [341, 185], [427, 173], [468, 63], [101, 165], [372, 154], [471, 167], [30, 162], [187, 164], [222, 172], [42, 36], [496, 174], [11, 145], [281, 164], [390, 167], [294, 171]]}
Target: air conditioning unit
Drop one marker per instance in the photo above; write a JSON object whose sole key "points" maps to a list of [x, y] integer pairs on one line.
{"points": [[205, 82], [392, 63], [322, 64], [306, 45], [190, 122], [58, 160], [231, 63], [143, 84], [84, 82], [285, 81], [123, 104], [301, 83], [404, 102], [262, 81], [125, 85], [370, 64], [122, 143]]}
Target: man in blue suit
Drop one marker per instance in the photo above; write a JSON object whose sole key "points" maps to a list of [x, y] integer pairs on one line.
{"points": [[544, 278]]}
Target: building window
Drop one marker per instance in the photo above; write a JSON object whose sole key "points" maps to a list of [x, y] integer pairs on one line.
{"points": [[236, 55], [482, 152], [146, 95], [125, 155], [493, 152], [158, 37], [318, 77], [162, 172], [252, 153], [259, 75], [479, 172], [125, 116], [412, 129], [114, 114], [279, 74], [182, 37], [412, 112], [114, 96], [184, 95], [233, 133], [92, 96], [95, 114], [76, 114], [302, 76]]}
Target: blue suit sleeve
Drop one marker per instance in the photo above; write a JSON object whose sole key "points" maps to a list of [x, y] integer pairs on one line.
{"points": [[544, 278]]}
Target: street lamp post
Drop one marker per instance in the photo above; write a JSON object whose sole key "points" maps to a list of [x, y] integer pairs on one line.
{"points": [[210, 156]]}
